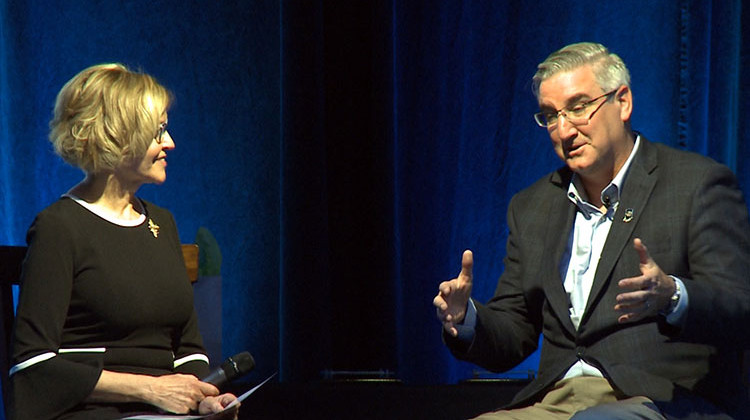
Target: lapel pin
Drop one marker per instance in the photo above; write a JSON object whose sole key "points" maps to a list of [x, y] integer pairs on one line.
{"points": [[153, 227], [628, 216]]}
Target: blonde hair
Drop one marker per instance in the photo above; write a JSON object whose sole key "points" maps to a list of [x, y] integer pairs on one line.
{"points": [[106, 115], [609, 69]]}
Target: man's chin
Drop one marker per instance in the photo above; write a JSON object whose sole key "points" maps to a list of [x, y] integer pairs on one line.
{"points": [[577, 165]]}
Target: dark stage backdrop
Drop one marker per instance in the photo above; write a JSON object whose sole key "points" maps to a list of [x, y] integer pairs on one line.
{"points": [[344, 153]]}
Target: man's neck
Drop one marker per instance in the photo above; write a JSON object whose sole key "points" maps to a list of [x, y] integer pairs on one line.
{"points": [[595, 183]]}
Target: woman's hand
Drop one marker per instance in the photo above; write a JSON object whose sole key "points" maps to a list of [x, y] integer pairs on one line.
{"points": [[179, 393], [217, 404], [176, 393]]}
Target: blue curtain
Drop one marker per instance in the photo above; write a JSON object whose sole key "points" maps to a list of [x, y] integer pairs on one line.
{"points": [[465, 140], [344, 153], [221, 61]]}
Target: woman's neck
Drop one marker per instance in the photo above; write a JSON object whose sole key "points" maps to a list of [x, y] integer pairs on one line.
{"points": [[105, 192]]}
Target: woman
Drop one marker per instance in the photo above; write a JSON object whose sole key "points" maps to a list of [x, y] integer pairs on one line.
{"points": [[105, 323]]}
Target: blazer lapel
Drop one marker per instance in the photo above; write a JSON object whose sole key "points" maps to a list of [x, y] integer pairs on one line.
{"points": [[561, 215], [637, 188]]}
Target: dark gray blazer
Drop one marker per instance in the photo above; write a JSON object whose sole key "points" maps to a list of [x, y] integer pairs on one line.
{"points": [[688, 211]]}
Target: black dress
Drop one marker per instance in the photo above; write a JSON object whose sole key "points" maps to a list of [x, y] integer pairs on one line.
{"points": [[99, 295]]}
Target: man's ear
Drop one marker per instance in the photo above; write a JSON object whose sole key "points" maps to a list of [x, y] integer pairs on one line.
{"points": [[624, 98]]}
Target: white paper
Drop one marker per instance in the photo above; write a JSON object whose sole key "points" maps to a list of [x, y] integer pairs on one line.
{"points": [[195, 417]]}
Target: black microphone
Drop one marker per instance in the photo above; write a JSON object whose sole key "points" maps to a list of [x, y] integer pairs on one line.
{"points": [[231, 369]]}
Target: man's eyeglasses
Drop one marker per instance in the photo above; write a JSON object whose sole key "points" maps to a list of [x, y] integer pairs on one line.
{"points": [[577, 114], [160, 134]]}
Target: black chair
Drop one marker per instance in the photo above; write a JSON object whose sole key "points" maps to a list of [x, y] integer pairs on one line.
{"points": [[11, 258]]}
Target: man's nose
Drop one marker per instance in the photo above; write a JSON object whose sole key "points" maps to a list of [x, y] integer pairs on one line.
{"points": [[565, 129]]}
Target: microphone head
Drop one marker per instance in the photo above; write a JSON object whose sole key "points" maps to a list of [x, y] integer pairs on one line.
{"points": [[231, 369], [238, 365]]}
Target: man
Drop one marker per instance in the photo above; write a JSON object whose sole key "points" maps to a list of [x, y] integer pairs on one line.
{"points": [[632, 261]]}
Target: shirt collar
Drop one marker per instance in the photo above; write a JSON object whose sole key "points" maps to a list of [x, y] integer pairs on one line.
{"points": [[611, 194]]}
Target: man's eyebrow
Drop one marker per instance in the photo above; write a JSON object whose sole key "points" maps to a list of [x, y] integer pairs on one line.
{"points": [[576, 99], [573, 100], [546, 108]]}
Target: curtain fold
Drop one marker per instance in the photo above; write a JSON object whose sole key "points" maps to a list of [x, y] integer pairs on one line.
{"points": [[466, 140], [344, 154], [221, 61]]}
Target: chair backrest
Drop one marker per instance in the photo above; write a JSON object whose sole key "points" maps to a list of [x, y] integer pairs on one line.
{"points": [[11, 260], [190, 254]]}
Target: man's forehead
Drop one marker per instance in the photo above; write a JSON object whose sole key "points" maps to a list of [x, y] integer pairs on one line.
{"points": [[568, 87]]}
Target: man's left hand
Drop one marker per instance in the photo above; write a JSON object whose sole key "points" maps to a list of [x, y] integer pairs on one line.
{"points": [[647, 294]]}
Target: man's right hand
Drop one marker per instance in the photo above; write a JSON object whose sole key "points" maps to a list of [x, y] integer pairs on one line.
{"points": [[453, 296]]}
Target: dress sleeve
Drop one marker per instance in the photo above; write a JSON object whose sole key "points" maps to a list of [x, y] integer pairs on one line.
{"points": [[44, 384], [190, 355]]}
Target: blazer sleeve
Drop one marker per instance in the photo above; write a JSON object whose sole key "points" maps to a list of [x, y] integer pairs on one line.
{"points": [[508, 327], [718, 282]]}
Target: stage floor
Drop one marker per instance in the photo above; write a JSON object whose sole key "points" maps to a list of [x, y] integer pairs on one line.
{"points": [[374, 400]]}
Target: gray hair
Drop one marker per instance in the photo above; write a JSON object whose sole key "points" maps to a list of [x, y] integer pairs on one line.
{"points": [[609, 69]]}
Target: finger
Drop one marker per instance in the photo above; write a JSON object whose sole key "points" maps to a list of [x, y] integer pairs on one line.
{"points": [[208, 389], [213, 405], [633, 284], [629, 317], [631, 307], [227, 399], [630, 283], [643, 254], [467, 265], [450, 329], [440, 303], [445, 287], [191, 405], [627, 300], [637, 312]]}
